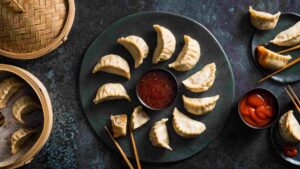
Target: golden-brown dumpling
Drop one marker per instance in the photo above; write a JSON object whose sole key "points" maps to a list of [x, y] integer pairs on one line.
{"points": [[24, 105], [111, 91], [200, 106], [19, 138], [165, 45], [186, 127], [159, 136], [202, 80], [189, 55], [288, 37], [119, 125], [263, 20], [289, 127], [138, 118], [137, 47], [8, 87], [114, 64]]}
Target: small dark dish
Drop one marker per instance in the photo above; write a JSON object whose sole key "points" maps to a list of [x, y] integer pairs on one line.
{"points": [[157, 89], [259, 108]]}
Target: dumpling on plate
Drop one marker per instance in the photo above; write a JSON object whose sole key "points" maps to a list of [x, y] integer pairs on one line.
{"points": [[189, 55], [165, 46], [289, 127], [202, 80], [186, 127], [24, 105], [19, 139], [111, 91], [137, 47], [200, 106], [263, 20], [114, 64], [159, 136], [119, 125], [288, 37], [271, 60], [138, 118], [8, 87]]}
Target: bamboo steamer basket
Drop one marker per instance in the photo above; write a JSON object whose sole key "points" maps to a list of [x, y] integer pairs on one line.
{"points": [[44, 99], [32, 28]]}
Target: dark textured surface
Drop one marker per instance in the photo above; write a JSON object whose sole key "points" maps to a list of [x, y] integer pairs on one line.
{"points": [[73, 144]]}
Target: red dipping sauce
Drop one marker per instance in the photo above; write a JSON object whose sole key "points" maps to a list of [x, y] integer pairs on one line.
{"points": [[157, 89]]}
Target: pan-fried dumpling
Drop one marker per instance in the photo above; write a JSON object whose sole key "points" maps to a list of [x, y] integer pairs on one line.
{"points": [[186, 127], [111, 91], [289, 127], [201, 80], [137, 47], [24, 105], [119, 125], [189, 55], [200, 106], [114, 64], [288, 37], [165, 46], [19, 138], [263, 20], [138, 118], [271, 60], [8, 87], [159, 136]]}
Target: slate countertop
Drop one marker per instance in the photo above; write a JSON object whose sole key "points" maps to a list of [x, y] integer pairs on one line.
{"points": [[73, 144]]}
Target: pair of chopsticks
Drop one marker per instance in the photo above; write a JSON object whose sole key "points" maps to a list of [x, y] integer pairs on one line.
{"points": [[293, 97], [123, 153], [286, 66]]}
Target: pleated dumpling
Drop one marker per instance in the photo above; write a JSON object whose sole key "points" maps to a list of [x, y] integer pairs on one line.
{"points": [[159, 136], [271, 60], [165, 45], [111, 91], [288, 37], [19, 139], [8, 87], [202, 80], [119, 125], [137, 47], [289, 127], [186, 127], [263, 20], [189, 55], [114, 64], [24, 105], [138, 118], [200, 106]]}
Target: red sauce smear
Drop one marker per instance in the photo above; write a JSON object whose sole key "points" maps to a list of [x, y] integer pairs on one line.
{"points": [[258, 108], [157, 89], [290, 151]]}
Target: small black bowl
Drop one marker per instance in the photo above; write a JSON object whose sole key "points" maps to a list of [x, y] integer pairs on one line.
{"points": [[276, 107], [173, 80]]}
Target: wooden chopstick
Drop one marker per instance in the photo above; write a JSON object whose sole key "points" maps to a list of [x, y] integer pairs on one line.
{"points": [[289, 49], [292, 98], [120, 149], [281, 69], [137, 159], [294, 94]]}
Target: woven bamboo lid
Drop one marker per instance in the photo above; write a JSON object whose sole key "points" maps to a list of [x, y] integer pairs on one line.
{"points": [[32, 28]]}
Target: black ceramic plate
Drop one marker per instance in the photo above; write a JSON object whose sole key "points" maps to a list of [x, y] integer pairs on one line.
{"points": [[260, 37], [279, 143], [140, 24]]}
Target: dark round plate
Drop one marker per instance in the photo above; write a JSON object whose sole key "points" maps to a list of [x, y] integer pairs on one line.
{"points": [[140, 24], [260, 37], [279, 143]]}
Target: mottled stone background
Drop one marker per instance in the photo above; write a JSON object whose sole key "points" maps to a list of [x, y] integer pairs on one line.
{"points": [[73, 144]]}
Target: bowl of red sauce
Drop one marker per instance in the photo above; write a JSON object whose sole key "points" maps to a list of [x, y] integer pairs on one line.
{"points": [[157, 89], [259, 108]]}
